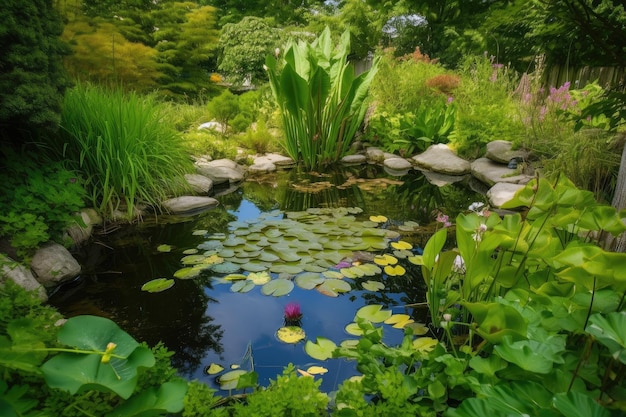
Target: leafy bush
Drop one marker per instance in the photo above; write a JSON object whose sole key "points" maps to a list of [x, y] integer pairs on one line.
{"points": [[224, 107], [38, 201], [124, 147], [486, 109]]}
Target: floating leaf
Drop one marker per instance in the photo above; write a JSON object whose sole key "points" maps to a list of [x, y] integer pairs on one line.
{"points": [[225, 268], [213, 369], [259, 278], [354, 329], [378, 219], [321, 349], [235, 277], [370, 269], [332, 287], [287, 269], [304, 373], [394, 271], [419, 329], [229, 380], [348, 273], [399, 320], [192, 259], [255, 267], [401, 245], [332, 274], [385, 259], [290, 334], [317, 370], [373, 313], [192, 251], [309, 280], [199, 232], [157, 285], [277, 287], [164, 248], [268, 257], [187, 273], [424, 344], [373, 285], [242, 286]]}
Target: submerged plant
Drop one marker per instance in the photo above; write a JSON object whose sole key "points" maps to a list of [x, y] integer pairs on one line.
{"points": [[321, 100]]}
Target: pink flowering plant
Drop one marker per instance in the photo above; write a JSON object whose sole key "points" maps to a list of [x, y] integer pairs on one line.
{"points": [[293, 314]]}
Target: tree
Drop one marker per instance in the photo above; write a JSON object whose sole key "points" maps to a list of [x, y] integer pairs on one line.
{"points": [[186, 39], [32, 78], [244, 46]]}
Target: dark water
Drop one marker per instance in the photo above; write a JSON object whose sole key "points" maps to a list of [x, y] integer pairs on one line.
{"points": [[204, 322]]}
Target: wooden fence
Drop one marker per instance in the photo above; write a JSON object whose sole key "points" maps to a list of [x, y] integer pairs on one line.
{"points": [[607, 77]]}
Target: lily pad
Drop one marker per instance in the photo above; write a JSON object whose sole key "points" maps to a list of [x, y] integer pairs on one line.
{"points": [[385, 259], [321, 349], [199, 232], [373, 313], [290, 334], [394, 270], [235, 277], [157, 285], [401, 245], [277, 287], [259, 278], [268, 257], [354, 329], [187, 272], [255, 266], [373, 286], [333, 287], [192, 251], [378, 219], [213, 369], [164, 248], [242, 286], [229, 380], [287, 269], [399, 320], [192, 259], [316, 370], [333, 274], [225, 268], [309, 280]]}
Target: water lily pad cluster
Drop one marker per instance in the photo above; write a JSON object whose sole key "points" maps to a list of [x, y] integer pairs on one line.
{"points": [[314, 249]]}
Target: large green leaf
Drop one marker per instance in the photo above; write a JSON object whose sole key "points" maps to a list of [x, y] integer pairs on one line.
{"points": [[610, 330], [497, 321], [533, 356], [577, 404], [91, 336], [321, 349], [168, 398]]}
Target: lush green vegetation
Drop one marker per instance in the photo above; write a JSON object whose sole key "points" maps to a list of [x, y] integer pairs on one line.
{"points": [[531, 322]]}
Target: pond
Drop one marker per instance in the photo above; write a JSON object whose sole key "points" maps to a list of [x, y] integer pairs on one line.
{"points": [[205, 321]]}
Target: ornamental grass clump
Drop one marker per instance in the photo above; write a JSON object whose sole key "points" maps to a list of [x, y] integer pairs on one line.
{"points": [[124, 146], [321, 101]]}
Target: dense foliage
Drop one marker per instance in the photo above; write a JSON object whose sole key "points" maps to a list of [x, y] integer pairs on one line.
{"points": [[32, 78]]}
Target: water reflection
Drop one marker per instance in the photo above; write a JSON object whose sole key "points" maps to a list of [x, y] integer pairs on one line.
{"points": [[204, 322]]}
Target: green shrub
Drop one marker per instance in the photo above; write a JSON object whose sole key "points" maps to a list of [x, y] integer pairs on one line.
{"points": [[486, 108], [289, 396], [38, 201], [259, 139], [124, 146], [224, 108], [206, 142]]}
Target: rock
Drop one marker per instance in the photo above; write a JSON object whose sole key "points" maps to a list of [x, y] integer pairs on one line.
{"points": [[221, 171], [502, 192], [52, 264], [501, 151], [199, 183], [491, 173], [397, 164], [80, 233], [21, 276], [441, 180], [440, 158], [216, 126], [186, 204], [374, 155], [356, 159], [270, 162]]}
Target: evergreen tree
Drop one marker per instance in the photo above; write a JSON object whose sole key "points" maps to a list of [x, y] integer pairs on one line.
{"points": [[32, 78]]}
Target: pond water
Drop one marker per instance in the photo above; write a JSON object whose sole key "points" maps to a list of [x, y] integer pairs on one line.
{"points": [[205, 322]]}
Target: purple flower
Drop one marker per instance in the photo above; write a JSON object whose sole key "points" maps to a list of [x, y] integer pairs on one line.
{"points": [[343, 264], [292, 312], [443, 219]]}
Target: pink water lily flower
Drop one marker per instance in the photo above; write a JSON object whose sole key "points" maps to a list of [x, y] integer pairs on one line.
{"points": [[292, 311]]}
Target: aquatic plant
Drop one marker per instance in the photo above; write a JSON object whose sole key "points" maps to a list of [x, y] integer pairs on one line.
{"points": [[322, 101]]}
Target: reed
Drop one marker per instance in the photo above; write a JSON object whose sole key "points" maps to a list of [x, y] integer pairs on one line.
{"points": [[124, 146]]}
